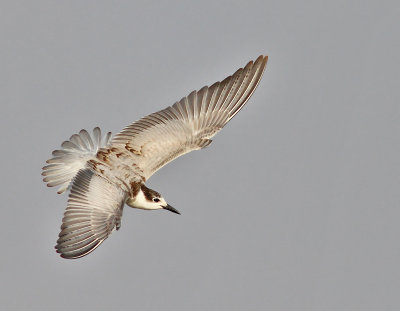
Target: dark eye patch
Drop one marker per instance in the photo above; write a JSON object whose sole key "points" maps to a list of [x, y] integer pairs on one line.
{"points": [[156, 200]]}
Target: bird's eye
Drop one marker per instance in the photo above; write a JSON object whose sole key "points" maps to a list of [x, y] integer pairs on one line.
{"points": [[156, 200]]}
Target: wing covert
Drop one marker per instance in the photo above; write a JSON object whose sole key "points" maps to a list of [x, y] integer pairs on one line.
{"points": [[189, 124]]}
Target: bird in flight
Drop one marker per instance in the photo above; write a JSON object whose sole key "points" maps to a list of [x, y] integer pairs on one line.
{"points": [[103, 174]]}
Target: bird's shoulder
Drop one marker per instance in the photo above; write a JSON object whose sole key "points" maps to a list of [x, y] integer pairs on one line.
{"points": [[118, 166]]}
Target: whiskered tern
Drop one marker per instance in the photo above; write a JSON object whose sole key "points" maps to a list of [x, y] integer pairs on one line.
{"points": [[104, 173]]}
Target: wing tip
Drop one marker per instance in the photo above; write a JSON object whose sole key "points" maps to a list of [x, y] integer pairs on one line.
{"points": [[76, 254], [73, 255], [262, 60]]}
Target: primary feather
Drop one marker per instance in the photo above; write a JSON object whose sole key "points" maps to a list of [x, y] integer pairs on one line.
{"points": [[107, 174], [94, 210], [189, 124]]}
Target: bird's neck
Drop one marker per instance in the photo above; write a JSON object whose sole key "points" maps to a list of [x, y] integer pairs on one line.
{"points": [[137, 201]]}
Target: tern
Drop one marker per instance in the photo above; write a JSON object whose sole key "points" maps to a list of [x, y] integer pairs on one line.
{"points": [[103, 174]]}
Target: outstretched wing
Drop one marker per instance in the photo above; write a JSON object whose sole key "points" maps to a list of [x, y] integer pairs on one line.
{"points": [[189, 124], [72, 157], [94, 211]]}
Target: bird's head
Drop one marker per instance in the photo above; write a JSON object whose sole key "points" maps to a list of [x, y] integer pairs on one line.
{"points": [[150, 200]]}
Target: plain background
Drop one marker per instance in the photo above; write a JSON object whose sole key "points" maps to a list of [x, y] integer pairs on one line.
{"points": [[295, 205]]}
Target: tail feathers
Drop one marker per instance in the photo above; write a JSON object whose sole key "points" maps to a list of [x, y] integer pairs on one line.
{"points": [[72, 157]]}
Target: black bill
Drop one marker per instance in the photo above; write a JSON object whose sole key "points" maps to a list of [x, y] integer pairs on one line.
{"points": [[171, 209]]}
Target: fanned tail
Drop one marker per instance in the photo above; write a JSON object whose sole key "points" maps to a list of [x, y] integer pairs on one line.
{"points": [[72, 157]]}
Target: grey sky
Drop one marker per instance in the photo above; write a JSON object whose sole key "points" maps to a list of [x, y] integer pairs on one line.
{"points": [[294, 206]]}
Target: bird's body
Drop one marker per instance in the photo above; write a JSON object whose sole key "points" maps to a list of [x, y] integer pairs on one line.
{"points": [[103, 174]]}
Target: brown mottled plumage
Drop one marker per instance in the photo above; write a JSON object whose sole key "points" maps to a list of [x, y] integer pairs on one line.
{"points": [[104, 175]]}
